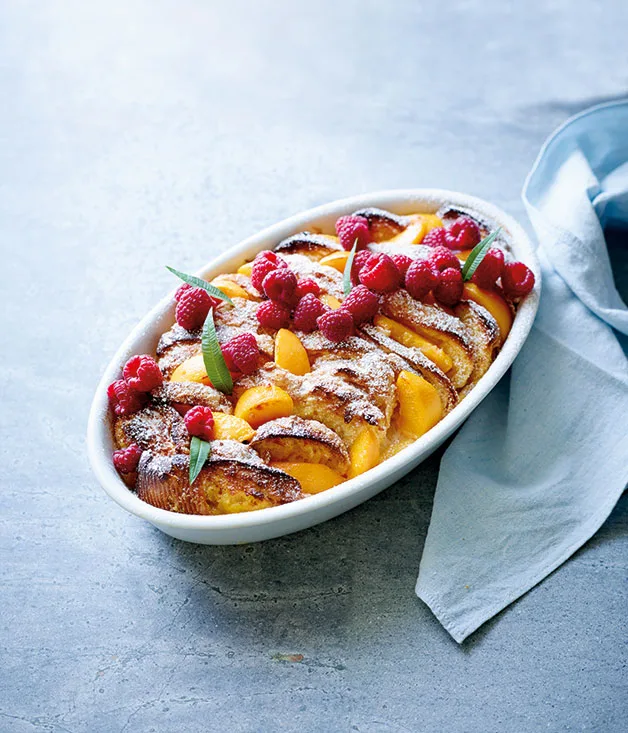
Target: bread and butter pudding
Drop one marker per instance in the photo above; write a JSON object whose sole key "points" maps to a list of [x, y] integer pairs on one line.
{"points": [[316, 361]]}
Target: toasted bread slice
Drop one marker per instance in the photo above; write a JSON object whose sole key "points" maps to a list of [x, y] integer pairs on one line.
{"points": [[156, 427], [312, 246], [383, 224], [192, 393], [294, 439], [233, 480], [413, 359], [485, 338], [446, 331]]}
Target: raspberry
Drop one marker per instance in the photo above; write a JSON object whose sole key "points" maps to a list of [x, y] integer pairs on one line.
{"points": [[142, 373], [200, 422], [124, 400], [280, 285], [402, 262], [350, 228], [362, 303], [441, 258], [380, 274], [436, 238], [307, 286], [125, 460], [490, 269], [264, 263], [464, 233], [420, 279], [517, 279], [360, 259], [308, 309], [272, 315], [193, 307], [183, 289], [241, 353], [450, 285], [336, 325]]}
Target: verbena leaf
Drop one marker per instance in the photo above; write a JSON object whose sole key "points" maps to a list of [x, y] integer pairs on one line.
{"points": [[198, 282], [199, 453], [477, 255], [346, 278], [214, 361]]}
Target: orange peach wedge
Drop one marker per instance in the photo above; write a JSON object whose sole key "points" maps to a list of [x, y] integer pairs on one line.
{"points": [[337, 260], [229, 287], [230, 427], [364, 452], [313, 477], [258, 405], [330, 301], [290, 353], [494, 304], [191, 370], [420, 407]]}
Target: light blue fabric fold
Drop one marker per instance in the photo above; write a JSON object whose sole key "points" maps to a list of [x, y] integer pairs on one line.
{"points": [[540, 464]]}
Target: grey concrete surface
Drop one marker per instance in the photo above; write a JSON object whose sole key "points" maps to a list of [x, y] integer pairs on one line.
{"points": [[137, 133]]}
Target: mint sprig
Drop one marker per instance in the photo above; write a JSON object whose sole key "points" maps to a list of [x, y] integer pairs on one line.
{"points": [[346, 276], [215, 365], [199, 453], [198, 282], [477, 255]]}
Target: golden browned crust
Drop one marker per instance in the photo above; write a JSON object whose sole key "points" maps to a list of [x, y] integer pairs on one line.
{"points": [[313, 246], [486, 339], [192, 393], [304, 441], [156, 427], [383, 224], [234, 479]]}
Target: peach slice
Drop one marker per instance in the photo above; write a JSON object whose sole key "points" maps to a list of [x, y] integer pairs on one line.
{"points": [[494, 304], [229, 287], [407, 337], [412, 234], [290, 353], [313, 477], [364, 452], [230, 427], [462, 256], [330, 301], [420, 407], [191, 370], [431, 221], [258, 405], [246, 269], [337, 260]]}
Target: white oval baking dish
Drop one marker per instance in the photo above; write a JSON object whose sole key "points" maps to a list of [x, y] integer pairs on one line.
{"points": [[276, 521]]}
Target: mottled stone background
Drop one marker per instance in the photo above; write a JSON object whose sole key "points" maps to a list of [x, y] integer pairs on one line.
{"points": [[135, 133]]}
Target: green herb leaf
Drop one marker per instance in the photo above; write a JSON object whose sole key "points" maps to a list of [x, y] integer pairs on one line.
{"points": [[198, 282], [214, 361], [199, 453], [346, 278], [477, 255]]}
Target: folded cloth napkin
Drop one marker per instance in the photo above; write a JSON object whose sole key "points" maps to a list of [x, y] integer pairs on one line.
{"points": [[540, 464]]}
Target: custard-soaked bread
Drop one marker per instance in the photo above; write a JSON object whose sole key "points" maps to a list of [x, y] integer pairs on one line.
{"points": [[486, 339], [447, 331], [383, 224], [312, 246], [328, 279], [191, 393], [297, 440], [159, 428], [234, 479]]}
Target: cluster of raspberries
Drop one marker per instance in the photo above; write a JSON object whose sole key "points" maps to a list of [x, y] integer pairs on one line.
{"points": [[295, 299], [141, 374], [441, 273]]}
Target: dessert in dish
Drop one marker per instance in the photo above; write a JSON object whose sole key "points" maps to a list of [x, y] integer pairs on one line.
{"points": [[314, 362]]}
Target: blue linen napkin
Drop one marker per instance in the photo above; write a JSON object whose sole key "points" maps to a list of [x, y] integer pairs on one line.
{"points": [[540, 464]]}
